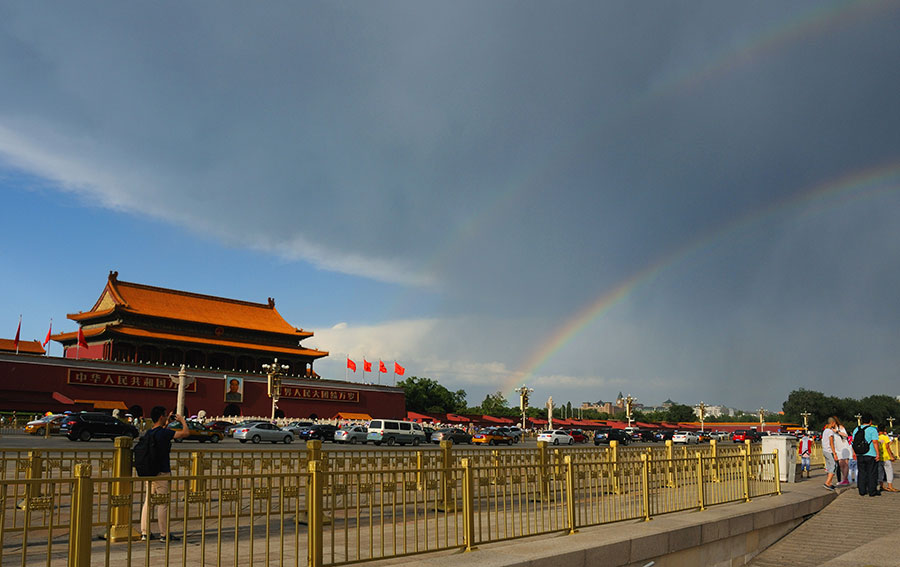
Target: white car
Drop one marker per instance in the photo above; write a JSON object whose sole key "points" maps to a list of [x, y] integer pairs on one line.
{"points": [[555, 437], [686, 437]]}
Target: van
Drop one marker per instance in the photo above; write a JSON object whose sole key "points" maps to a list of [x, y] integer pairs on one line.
{"points": [[390, 432]]}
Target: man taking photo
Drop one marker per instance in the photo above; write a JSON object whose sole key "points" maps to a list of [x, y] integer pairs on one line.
{"points": [[160, 438]]}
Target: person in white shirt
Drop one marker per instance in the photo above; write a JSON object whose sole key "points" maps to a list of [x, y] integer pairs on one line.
{"points": [[828, 451], [842, 452]]}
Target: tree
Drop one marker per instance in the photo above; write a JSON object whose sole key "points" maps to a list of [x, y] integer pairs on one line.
{"points": [[426, 395], [496, 405], [680, 412]]}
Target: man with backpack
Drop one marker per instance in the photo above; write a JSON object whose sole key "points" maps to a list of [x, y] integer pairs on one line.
{"points": [[152, 460], [868, 456]]}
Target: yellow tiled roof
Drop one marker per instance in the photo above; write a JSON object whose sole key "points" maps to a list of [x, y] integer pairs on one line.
{"points": [[186, 306]]}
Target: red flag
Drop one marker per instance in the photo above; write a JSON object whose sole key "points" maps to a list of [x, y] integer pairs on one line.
{"points": [[367, 366], [81, 340], [351, 365], [49, 331], [399, 369], [16, 340], [381, 367]]}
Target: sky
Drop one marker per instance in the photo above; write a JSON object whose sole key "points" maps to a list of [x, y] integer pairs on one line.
{"points": [[695, 201]]}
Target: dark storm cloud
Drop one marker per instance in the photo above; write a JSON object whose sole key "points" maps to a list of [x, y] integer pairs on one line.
{"points": [[522, 158]]}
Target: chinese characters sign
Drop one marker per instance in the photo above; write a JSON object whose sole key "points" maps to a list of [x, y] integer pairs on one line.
{"points": [[299, 393], [114, 379]]}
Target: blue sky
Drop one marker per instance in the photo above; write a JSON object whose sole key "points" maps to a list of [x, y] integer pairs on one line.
{"points": [[450, 186]]}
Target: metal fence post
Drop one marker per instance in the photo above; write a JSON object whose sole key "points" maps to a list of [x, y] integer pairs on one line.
{"points": [[714, 449], [448, 504], [700, 481], [121, 494], [420, 466], [495, 467], [614, 460], [645, 485], [315, 532], [33, 472], [670, 466], [313, 450], [468, 505], [746, 474], [570, 493], [543, 466], [198, 480], [777, 473], [80, 530]]}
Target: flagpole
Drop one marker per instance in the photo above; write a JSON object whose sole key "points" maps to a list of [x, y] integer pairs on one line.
{"points": [[18, 330]]}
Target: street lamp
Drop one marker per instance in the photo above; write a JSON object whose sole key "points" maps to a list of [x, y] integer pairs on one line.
{"points": [[762, 424], [629, 402], [274, 372], [550, 412], [805, 415], [524, 391], [702, 413], [858, 419], [891, 421]]}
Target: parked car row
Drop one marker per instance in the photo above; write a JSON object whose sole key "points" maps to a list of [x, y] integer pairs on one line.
{"points": [[87, 425]]}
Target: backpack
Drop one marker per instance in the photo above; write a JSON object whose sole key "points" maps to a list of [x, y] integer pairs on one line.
{"points": [[144, 455], [860, 445]]}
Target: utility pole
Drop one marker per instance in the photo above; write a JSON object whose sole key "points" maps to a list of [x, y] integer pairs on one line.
{"points": [[274, 371]]}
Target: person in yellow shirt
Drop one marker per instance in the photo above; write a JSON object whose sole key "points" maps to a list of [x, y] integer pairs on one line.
{"points": [[887, 465]]}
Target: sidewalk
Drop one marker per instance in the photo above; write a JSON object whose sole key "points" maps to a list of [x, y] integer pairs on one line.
{"points": [[720, 536], [833, 537]]}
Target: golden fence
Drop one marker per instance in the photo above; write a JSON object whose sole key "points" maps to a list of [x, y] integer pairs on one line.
{"points": [[232, 509]]}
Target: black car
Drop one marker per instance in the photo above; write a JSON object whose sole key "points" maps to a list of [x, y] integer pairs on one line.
{"points": [[610, 434], [458, 436], [645, 435], [318, 431], [85, 426]]}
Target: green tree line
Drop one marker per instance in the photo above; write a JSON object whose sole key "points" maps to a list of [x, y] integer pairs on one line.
{"points": [[821, 407], [426, 395]]}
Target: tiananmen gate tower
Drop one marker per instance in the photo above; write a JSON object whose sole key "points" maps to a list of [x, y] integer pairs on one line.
{"points": [[136, 336]]}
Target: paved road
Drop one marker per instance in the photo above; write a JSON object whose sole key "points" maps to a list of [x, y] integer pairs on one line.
{"points": [[21, 441]]}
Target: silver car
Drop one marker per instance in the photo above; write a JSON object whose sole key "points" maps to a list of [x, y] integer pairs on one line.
{"points": [[352, 434], [264, 431]]}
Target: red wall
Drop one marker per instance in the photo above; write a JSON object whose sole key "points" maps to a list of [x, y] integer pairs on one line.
{"points": [[27, 383]]}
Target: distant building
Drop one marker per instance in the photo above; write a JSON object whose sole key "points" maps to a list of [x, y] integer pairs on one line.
{"points": [[714, 411]]}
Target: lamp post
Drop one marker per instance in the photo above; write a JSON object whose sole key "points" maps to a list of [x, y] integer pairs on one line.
{"points": [[274, 372], [805, 415], [858, 419], [183, 381], [629, 404], [890, 420], [550, 412], [762, 415], [524, 391], [702, 413]]}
